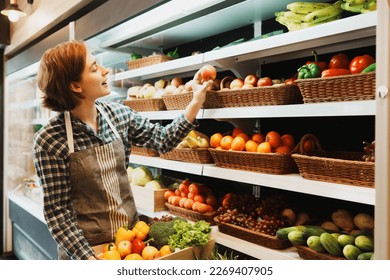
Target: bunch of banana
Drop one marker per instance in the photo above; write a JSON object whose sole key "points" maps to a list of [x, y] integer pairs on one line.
{"points": [[194, 140], [359, 6], [306, 14]]}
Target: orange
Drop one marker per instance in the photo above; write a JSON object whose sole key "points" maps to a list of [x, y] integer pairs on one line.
{"points": [[133, 256], [150, 253], [111, 255], [308, 146], [264, 147], [273, 138], [251, 146], [226, 142], [181, 202], [165, 250], [288, 140], [168, 194], [193, 188], [199, 198], [215, 139], [203, 208], [236, 131], [238, 144], [243, 135], [283, 149], [195, 205], [188, 203], [258, 137]]}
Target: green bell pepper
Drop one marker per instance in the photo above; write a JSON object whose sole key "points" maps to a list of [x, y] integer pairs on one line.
{"points": [[173, 54], [135, 56], [310, 70]]}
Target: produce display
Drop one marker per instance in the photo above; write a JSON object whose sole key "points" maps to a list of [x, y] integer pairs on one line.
{"points": [[359, 6], [194, 140], [159, 238], [344, 235]]}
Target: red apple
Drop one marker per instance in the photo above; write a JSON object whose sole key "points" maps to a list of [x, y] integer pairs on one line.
{"points": [[237, 83], [177, 81], [251, 80], [208, 72]]}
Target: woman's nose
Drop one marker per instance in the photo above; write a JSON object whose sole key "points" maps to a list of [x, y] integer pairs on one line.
{"points": [[104, 70]]}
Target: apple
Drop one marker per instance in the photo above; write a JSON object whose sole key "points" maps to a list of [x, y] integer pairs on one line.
{"points": [[237, 83], [160, 84], [170, 89], [251, 80], [247, 86], [265, 81], [208, 72], [124, 248], [147, 91], [177, 81]]}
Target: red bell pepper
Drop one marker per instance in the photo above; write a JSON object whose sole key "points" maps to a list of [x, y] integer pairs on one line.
{"points": [[334, 72], [338, 61], [358, 63], [322, 64], [138, 245]]}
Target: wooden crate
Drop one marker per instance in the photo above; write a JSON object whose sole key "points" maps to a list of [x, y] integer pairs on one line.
{"points": [[148, 199], [189, 253]]}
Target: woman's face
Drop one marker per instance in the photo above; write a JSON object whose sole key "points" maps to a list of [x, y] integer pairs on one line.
{"points": [[94, 80]]}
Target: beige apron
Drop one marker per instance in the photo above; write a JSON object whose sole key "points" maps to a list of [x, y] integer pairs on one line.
{"points": [[101, 195]]}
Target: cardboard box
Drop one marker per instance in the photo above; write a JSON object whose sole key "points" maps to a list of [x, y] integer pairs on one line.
{"points": [[190, 253], [148, 199]]}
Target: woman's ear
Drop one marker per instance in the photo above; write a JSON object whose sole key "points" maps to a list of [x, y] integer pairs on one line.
{"points": [[75, 87]]}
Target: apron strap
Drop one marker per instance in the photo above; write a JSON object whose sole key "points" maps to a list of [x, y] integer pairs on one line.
{"points": [[69, 131]]}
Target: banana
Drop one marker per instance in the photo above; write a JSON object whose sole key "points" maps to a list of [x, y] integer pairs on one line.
{"points": [[183, 144], [355, 2], [352, 8], [291, 25], [310, 24], [370, 6], [325, 13], [203, 143], [192, 142], [306, 7], [195, 134], [290, 16]]}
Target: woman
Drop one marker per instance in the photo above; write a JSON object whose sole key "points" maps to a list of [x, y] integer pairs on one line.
{"points": [[82, 154]]}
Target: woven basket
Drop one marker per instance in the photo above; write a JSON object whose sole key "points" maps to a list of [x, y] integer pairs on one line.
{"points": [[307, 253], [271, 163], [337, 167], [252, 236], [340, 88], [181, 100], [201, 155], [142, 151], [146, 104], [191, 214], [260, 96], [147, 61]]}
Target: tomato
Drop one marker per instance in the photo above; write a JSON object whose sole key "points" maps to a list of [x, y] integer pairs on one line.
{"points": [[265, 81], [290, 81], [334, 72], [339, 61], [358, 63], [208, 72]]}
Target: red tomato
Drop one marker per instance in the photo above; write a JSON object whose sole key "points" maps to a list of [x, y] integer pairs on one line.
{"points": [[358, 64], [290, 81], [208, 72], [339, 61], [265, 81]]}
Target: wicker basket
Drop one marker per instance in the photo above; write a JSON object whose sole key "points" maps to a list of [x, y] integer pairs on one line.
{"points": [[191, 214], [181, 100], [252, 236], [337, 167], [201, 155], [147, 61], [142, 151], [307, 253], [146, 104], [340, 88], [259, 96], [271, 163]]}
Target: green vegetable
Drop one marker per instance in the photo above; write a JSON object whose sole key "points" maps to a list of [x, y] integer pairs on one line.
{"points": [[345, 239], [296, 237], [365, 256], [189, 234], [369, 68], [330, 244], [312, 231], [364, 243], [173, 54], [135, 56], [310, 70], [160, 231], [314, 243], [351, 252]]}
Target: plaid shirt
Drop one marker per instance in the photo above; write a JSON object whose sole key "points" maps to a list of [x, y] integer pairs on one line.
{"points": [[51, 159]]}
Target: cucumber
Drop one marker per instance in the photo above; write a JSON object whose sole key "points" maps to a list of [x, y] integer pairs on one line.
{"points": [[351, 252], [283, 232], [296, 237], [335, 235], [312, 231], [364, 243], [365, 256], [330, 244], [314, 243], [345, 239]]}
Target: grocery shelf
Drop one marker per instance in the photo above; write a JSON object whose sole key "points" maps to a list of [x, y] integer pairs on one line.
{"points": [[191, 168], [351, 108], [295, 183], [167, 115], [251, 249]]}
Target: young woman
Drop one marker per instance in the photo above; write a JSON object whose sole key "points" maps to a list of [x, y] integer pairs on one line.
{"points": [[82, 154]]}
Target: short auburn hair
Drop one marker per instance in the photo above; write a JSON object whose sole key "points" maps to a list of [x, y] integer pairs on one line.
{"points": [[59, 67]]}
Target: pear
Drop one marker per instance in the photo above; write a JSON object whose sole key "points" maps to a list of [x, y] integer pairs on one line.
{"points": [[203, 143], [192, 142]]}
